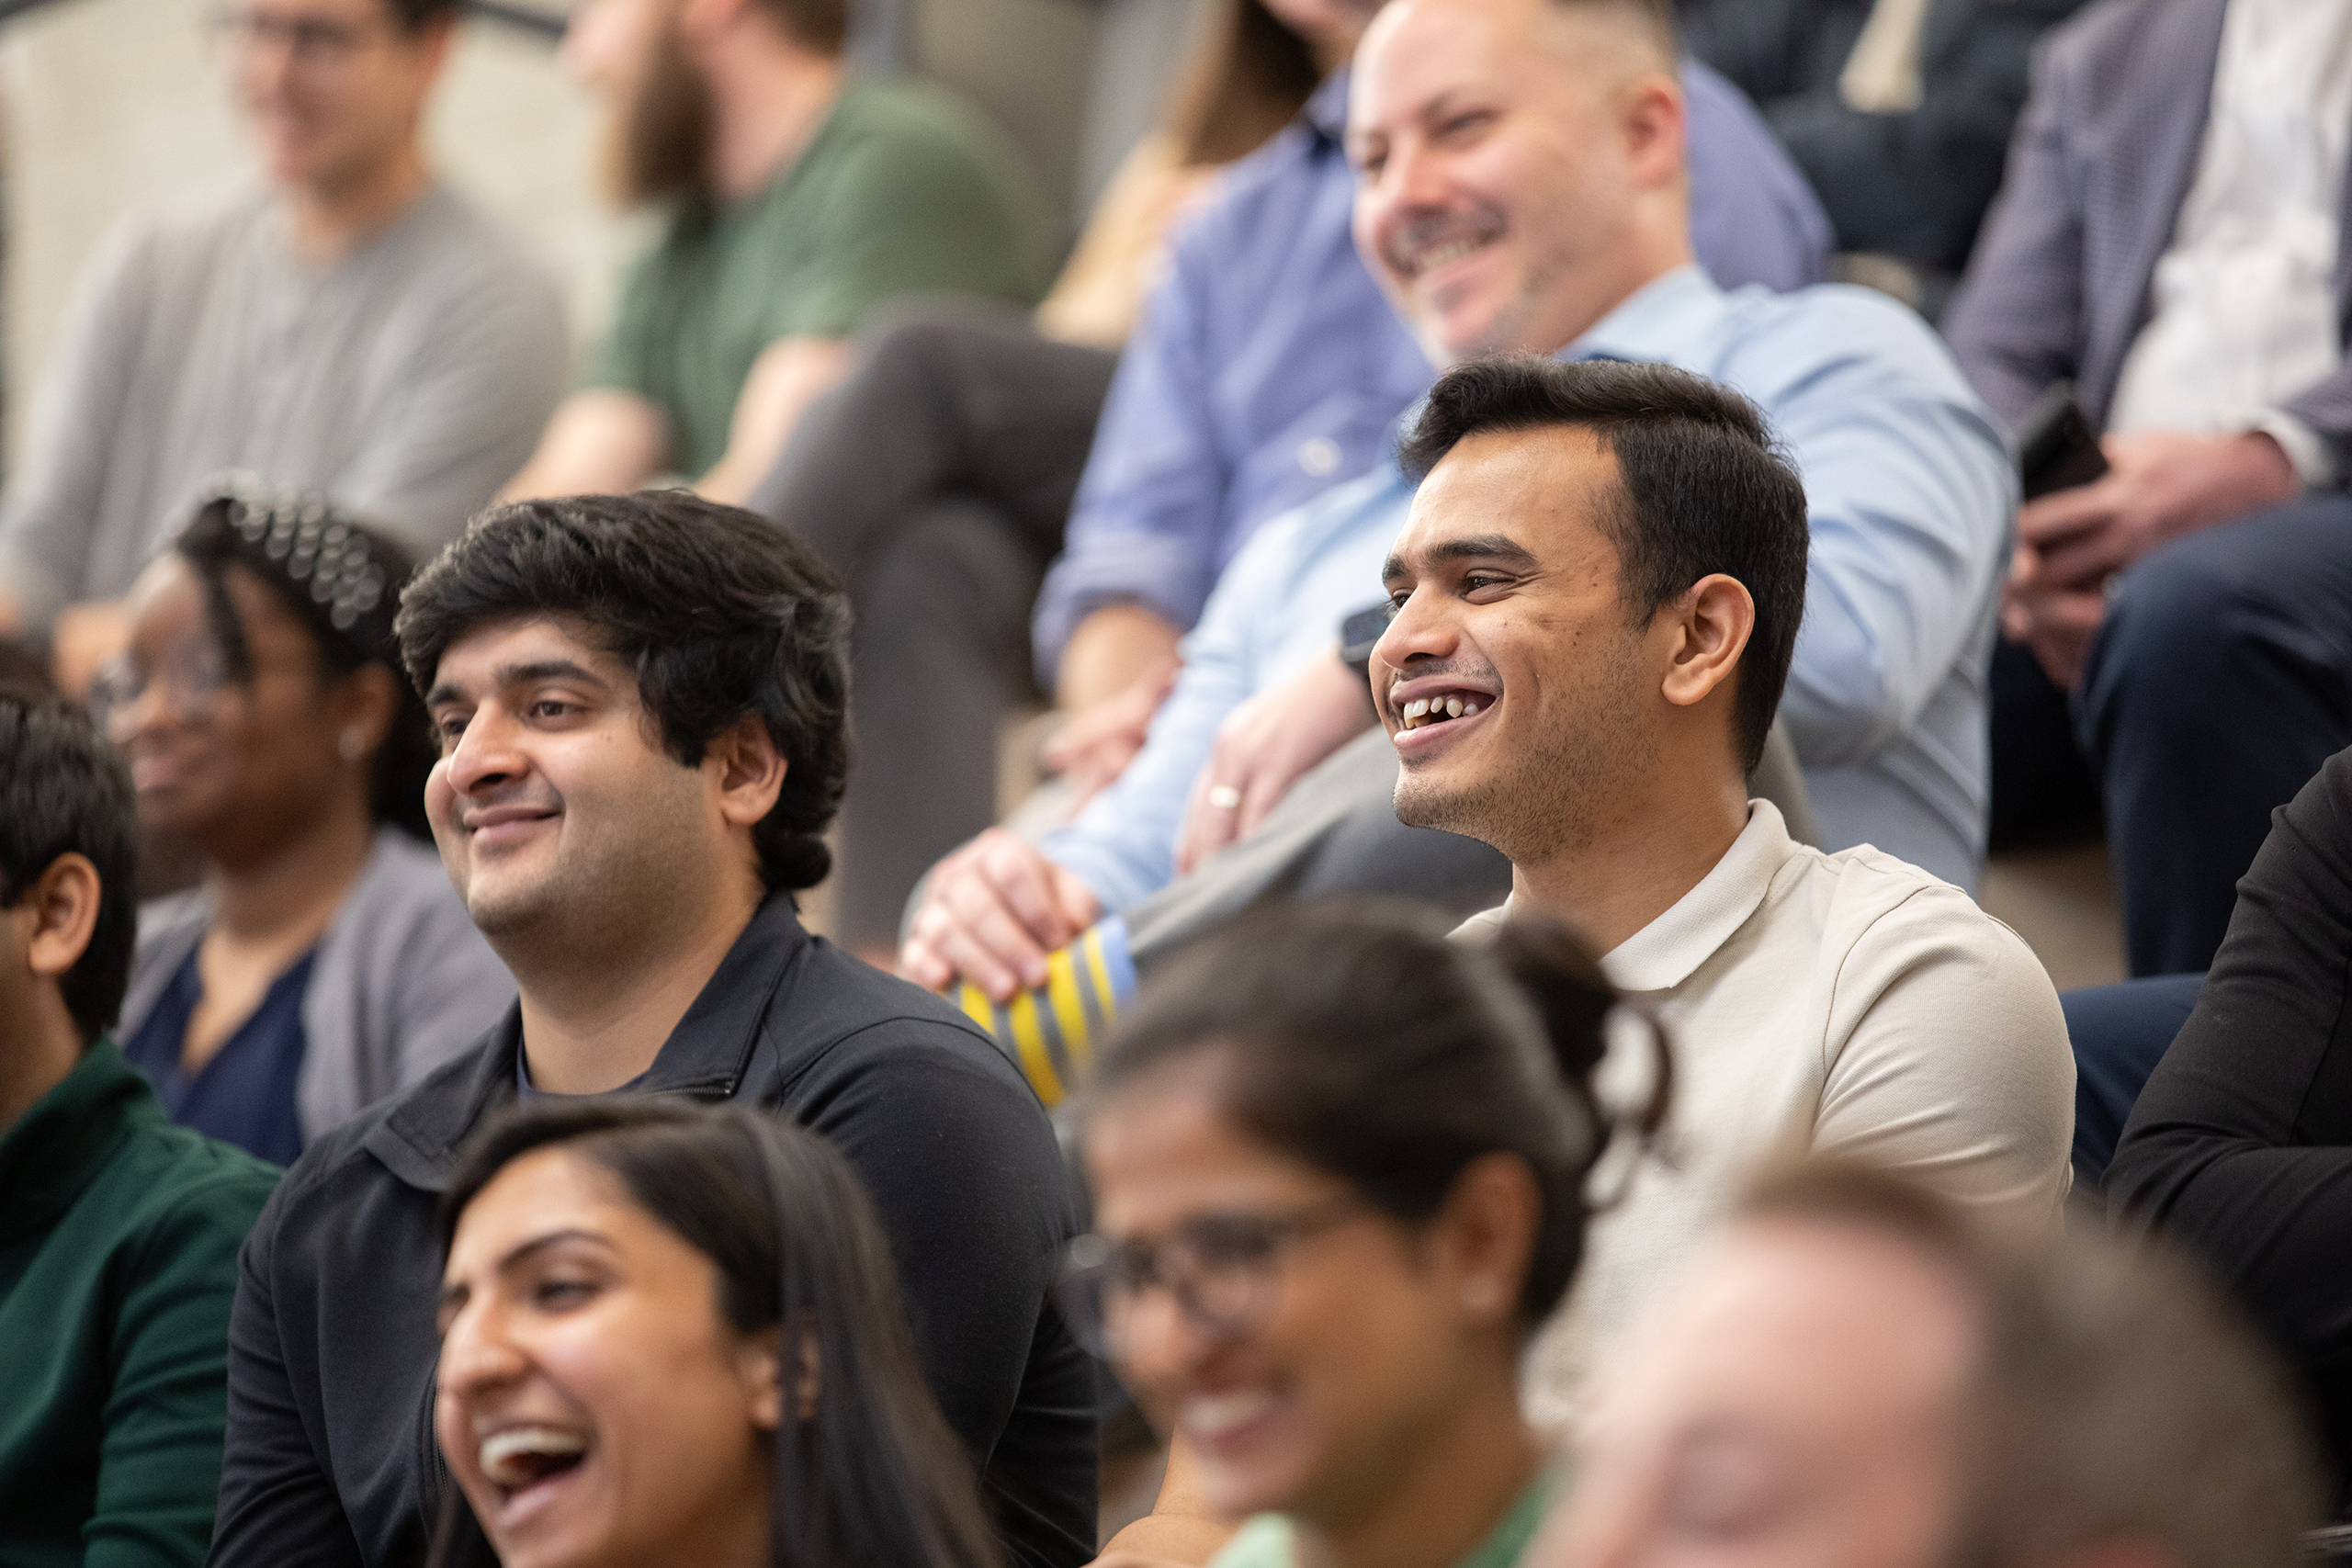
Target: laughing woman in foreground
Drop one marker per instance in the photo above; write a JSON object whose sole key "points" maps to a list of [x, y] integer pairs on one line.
{"points": [[673, 1334], [1339, 1166]]}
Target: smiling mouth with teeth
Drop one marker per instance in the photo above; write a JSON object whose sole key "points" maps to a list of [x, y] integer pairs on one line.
{"points": [[1436, 256], [1424, 711], [522, 1457]]}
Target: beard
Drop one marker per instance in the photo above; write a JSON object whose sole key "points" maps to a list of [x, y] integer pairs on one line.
{"points": [[657, 144], [1561, 780]]}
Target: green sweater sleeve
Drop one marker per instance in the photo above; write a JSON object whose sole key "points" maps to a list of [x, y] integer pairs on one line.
{"points": [[159, 1472]]}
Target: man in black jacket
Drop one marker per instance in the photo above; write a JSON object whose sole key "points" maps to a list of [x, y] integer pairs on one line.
{"points": [[640, 702]]}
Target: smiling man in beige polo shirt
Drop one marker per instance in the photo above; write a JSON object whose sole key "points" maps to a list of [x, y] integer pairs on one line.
{"points": [[1597, 596]]}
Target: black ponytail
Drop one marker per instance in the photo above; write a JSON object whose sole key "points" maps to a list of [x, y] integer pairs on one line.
{"points": [[1358, 1039]]}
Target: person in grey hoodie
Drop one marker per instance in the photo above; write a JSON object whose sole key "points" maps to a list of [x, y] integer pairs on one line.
{"points": [[323, 961]]}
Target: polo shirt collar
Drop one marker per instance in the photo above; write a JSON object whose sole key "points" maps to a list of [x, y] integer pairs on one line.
{"points": [[1655, 322], [708, 1055], [1663, 953], [1327, 106]]}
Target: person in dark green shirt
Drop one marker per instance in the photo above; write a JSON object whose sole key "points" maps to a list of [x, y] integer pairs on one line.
{"points": [[119, 1232], [801, 199]]}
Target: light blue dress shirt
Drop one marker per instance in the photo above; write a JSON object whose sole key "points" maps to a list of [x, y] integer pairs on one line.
{"points": [[1268, 365], [1911, 496]]}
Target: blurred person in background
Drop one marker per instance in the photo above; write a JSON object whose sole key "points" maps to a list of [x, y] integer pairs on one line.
{"points": [[324, 962], [945, 478], [1899, 112], [640, 703], [673, 1333], [2169, 243], [1856, 1375], [1340, 1171], [1553, 217], [798, 198], [119, 1232], [346, 324]]}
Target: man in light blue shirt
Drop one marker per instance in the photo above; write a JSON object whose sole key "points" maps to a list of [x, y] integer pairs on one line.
{"points": [[1521, 186]]}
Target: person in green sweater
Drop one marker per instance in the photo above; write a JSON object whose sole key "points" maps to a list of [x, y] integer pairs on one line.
{"points": [[798, 197], [1339, 1168], [119, 1232]]}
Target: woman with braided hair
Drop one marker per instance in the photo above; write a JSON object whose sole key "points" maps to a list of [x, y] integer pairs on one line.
{"points": [[323, 961]]}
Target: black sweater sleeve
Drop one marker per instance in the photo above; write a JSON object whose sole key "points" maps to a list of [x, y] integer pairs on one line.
{"points": [[2241, 1144]]}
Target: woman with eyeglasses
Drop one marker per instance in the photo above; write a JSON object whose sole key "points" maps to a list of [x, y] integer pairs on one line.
{"points": [[673, 1334], [1339, 1166], [323, 961]]}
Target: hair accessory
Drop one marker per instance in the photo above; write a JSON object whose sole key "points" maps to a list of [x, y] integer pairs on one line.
{"points": [[312, 545]]}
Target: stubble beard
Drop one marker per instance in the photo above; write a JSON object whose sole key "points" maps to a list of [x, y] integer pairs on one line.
{"points": [[1556, 792], [657, 144]]}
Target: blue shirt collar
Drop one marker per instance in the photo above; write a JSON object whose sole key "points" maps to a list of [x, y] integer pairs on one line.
{"points": [[1655, 322], [1327, 106]]}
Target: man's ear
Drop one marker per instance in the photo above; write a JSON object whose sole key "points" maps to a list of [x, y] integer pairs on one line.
{"points": [[751, 770], [1712, 621], [64, 908], [1655, 127]]}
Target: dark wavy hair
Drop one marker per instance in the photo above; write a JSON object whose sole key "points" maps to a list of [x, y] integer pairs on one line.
{"points": [[341, 580], [873, 1475], [1703, 489], [1358, 1039], [718, 612], [64, 791]]}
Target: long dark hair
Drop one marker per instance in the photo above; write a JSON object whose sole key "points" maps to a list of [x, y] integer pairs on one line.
{"points": [[1359, 1040], [874, 1476], [1244, 80], [342, 580]]}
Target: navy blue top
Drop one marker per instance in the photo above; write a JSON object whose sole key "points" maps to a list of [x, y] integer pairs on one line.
{"points": [[245, 1095]]}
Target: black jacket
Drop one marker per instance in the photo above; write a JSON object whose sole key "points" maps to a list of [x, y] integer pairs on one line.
{"points": [[329, 1455], [2241, 1144]]}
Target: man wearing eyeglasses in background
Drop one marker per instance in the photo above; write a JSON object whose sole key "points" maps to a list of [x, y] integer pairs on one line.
{"points": [[345, 323]]}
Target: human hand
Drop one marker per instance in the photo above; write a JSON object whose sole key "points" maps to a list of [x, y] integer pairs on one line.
{"points": [[85, 641], [2056, 624], [991, 913], [1095, 747], [2159, 486], [1262, 750]]}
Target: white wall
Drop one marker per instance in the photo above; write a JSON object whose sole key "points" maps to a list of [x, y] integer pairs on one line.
{"points": [[110, 103]]}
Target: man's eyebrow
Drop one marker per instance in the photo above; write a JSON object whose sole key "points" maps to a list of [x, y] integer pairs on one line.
{"points": [[1498, 548], [523, 674]]}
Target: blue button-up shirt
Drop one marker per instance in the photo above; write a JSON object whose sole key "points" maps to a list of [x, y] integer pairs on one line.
{"points": [[1268, 365], [1912, 498]]}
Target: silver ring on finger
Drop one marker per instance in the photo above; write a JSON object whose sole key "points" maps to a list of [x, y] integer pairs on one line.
{"points": [[1225, 797]]}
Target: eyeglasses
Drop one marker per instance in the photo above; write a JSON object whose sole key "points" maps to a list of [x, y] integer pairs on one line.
{"points": [[190, 679], [1222, 1271], [311, 41]]}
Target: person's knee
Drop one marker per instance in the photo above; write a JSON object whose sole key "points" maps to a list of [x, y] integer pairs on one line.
{"points": [[954, 581]]}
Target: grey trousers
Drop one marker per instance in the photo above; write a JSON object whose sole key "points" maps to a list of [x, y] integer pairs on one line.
{"points": [[1337, 834], [936, 480]]}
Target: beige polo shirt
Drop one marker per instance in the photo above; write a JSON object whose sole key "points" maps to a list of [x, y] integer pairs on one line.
{"points": [[1846, 1004]]}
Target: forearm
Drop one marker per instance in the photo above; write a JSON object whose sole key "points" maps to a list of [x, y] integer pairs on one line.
{"points": [[1111, 649], [599, 443], [789, 374]]}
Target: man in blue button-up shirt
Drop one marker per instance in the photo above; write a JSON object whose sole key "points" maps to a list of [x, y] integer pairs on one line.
{"points": [[1522, 185]]}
